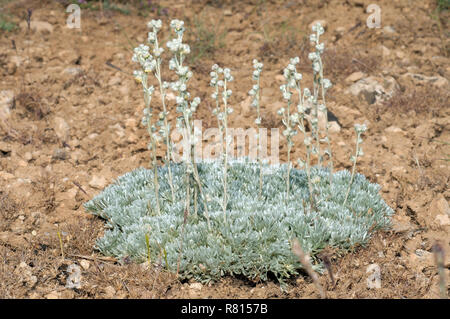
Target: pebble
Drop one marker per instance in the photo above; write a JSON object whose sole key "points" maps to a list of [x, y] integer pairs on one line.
{"points": [[374, 278], [356, 76], [98, 182], [38, 26], [62, 129], [52, 295], [28, 156], [85, 264], [393, 129], [60, 154], [6, 103], [196, 286], [109, 292]]}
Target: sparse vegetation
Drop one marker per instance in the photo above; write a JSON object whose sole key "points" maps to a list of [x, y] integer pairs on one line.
{"points": [[207, 40], [6, 24]]}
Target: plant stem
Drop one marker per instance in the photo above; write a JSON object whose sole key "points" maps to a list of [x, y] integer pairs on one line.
{"points": [[258, 111], [225, 160], [353, 168], [166, 125], [326, 123], [316, 130], [155, 175]]}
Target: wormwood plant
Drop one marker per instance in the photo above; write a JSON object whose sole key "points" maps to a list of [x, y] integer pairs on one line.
{"points": [[228, 216]]}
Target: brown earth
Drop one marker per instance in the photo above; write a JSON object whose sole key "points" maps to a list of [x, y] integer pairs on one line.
{"points": [[73, 126]]}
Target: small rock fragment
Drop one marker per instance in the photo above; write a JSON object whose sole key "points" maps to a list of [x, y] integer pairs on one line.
{"points": [[38, 26], [61, 129], [85, 264], [98, 182], [374, 279], [356, 76], [52, 295], [196, 286], [6, 103], [109, 292], [393, 129], [60, 154]]}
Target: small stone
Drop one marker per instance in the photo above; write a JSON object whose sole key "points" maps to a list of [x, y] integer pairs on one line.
{"points": [[340, 30], [5, 148], [228, 12], [69, 56], [356, 76], [132, 138], [116, 80], [74, 143], [131, 123], [109, 292], [443, 220], [421, 79], [386, 51], [22, 163], [85, 264], [60, 154], [279, 78], [389, 29], [52, 295], [401, 227], [170, 96], [374, 279], [38, 26], [393, 129], [6, 103], [196, 286], [62, 129], [334, 127], [98, 182], [28, 156], [11, 68], [73, 71], [16, 60]]}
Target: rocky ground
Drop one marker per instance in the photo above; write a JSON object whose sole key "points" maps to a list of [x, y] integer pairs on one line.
{"points": [[70, 124]]}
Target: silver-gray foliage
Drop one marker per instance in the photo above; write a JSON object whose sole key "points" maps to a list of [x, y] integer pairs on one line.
{"points": [[254, 241]]}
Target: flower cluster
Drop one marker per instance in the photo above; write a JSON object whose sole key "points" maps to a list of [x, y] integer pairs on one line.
{"points": [[226, 93], [255, 91]]}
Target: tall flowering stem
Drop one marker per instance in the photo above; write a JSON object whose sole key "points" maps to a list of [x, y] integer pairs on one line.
{"points": [[155, 67], [255, 92], [143, 57], [359, 129], [186, 108], [320, 85], [289, 116], [304, 102], [222, 119]]}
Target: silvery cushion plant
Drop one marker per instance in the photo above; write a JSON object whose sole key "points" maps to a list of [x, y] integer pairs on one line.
{"points": [[216, 217]]}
